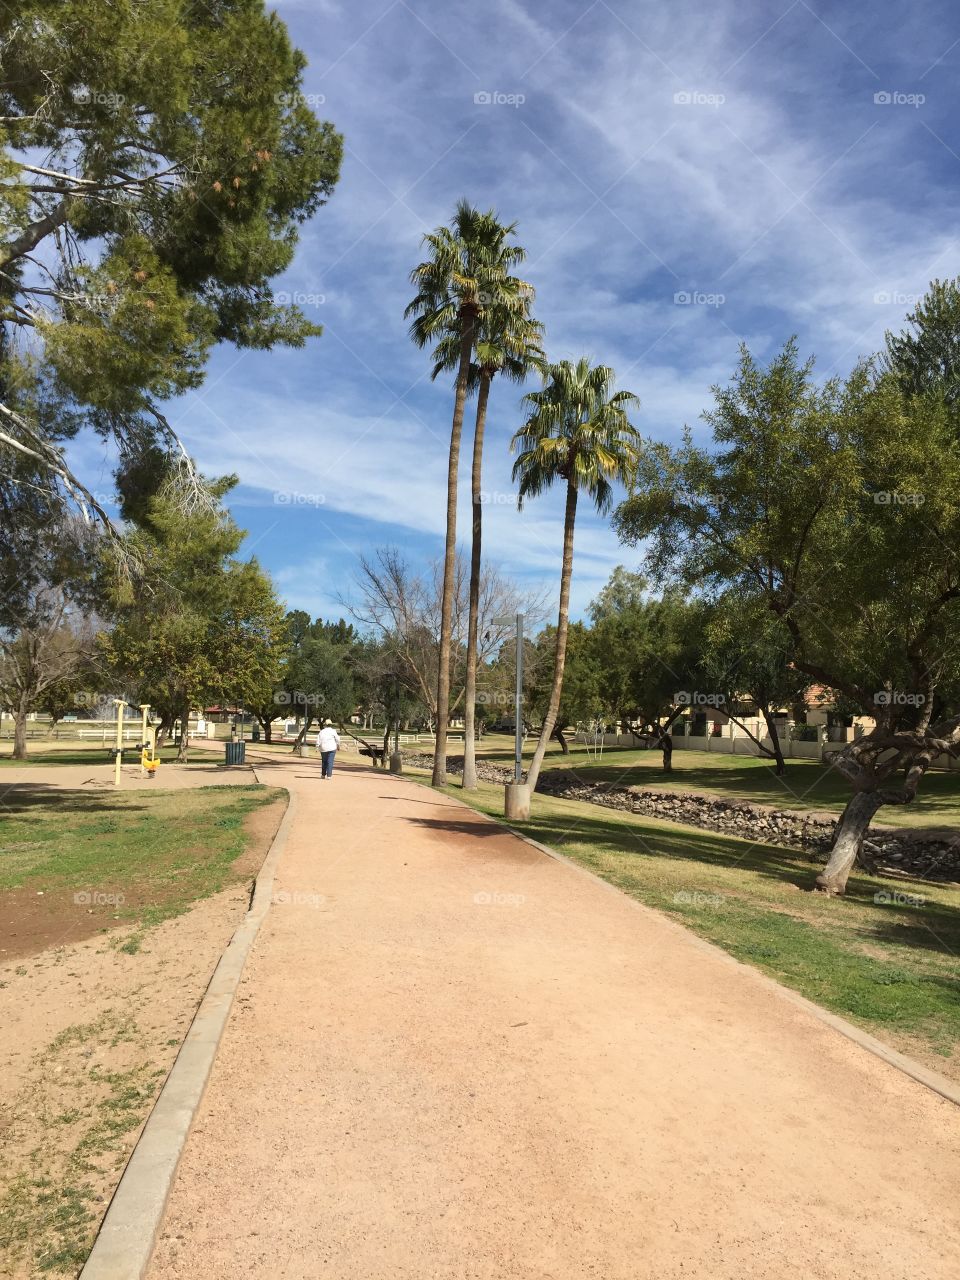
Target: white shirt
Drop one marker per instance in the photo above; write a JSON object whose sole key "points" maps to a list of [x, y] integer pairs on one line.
{"points": [[328, 739]]}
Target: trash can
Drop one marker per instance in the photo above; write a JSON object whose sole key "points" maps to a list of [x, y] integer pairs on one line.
{"points": [[236, 752], [256, 733]]}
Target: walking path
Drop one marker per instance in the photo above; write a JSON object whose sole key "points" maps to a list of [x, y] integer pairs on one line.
{"points": [[452, 1057]]}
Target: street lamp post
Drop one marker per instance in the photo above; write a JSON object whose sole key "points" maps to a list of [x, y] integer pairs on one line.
{"points": [[518, 707], [517, 793]]}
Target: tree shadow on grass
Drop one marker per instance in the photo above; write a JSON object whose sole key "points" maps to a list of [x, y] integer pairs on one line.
{"points": [[932, 927], [689, 845], [23, 796]]}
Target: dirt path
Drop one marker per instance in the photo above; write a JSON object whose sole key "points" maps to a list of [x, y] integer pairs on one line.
{"points": [[40, 778], [454, 1058]]}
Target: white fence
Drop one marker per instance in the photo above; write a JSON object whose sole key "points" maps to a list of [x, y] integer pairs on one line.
{"points": [[732, 740]]}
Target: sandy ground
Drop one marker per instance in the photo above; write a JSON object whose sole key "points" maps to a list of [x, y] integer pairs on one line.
{"points": [[454, 1057], [73, 777], [89, 1032], [69, 1014]]}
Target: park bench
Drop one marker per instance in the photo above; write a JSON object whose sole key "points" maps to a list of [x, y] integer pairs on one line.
{"points": [[374, 751]]}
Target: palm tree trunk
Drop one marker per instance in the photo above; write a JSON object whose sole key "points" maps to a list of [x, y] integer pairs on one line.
{"points": [[449, 558], [566, 573], [470, 693]]}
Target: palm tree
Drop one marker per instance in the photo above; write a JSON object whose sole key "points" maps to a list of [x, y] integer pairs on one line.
{"points": [[467, 270], [579, 432], [509, 343]]}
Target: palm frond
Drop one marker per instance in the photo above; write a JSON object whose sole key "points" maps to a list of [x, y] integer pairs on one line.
{"points": [[577, 430]]}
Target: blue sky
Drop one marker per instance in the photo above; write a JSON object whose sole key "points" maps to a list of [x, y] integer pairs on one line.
{"points": [[734, 153]]}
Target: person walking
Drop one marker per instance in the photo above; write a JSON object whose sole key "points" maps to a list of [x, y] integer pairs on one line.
{"points": [[328, 740]]}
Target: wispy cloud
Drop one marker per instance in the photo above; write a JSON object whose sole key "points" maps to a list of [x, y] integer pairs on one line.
{"points": [[733, 154]]}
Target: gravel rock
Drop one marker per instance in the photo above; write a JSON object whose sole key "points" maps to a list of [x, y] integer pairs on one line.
{"points": [[932, 855]]}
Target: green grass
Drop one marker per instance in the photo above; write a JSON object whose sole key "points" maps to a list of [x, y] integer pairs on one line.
{"points": [[163, 850], [48, 1206], [807, 784], [890, 967]]}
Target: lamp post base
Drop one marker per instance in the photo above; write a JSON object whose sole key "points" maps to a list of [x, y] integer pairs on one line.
{"points": [[517, 801]]}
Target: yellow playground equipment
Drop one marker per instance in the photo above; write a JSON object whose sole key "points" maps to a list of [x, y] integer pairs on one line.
{"points": [[147, 746], [149, 760]]}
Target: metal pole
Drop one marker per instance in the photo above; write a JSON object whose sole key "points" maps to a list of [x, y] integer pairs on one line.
{"points": [[144, 709], [116, 768], [518, 704]]}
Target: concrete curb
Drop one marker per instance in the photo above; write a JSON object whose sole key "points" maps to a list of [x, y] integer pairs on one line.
{"points": [[899, 1061], [125, 1243]]}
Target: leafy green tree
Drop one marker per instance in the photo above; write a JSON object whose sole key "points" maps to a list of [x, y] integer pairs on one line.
{"points": [[578, 432], [205, 627], [926, 356], [156, 162], [747, 653], [320, 681], [580, 698], [647, 651], [837, 506], [41, 657], [467, 274]]}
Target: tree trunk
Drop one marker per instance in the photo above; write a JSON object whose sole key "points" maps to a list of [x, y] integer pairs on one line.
{"points": [[298, 746], [666, 746], [267, 726], [566, 573], [184, 736], [775, 742], [470, 692], [449, 556], [20, 730], [564, 744], [852, 827]]}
